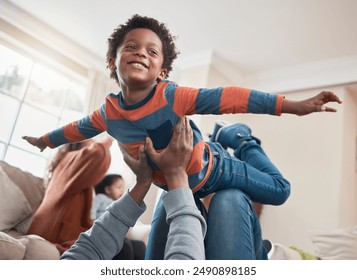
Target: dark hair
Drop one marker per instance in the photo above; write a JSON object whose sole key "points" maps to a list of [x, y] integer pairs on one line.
{"points": [[116, 39], [106, 181]]}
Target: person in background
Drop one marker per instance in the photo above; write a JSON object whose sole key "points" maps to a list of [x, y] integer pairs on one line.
{"points": [[111, 188], [65, 210]]}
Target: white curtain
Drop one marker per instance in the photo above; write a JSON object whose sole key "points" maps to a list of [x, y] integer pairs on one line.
{"points": [[100, 85]]}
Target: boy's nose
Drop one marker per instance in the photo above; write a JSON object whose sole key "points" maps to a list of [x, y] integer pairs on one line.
{"points": [[140, 52]]}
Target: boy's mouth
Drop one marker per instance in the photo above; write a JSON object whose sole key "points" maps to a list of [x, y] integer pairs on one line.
{"points": [[138, 64]]}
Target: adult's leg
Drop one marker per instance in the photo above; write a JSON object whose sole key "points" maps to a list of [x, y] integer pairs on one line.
{"points": [[155, 249], [127, 252], [139, 249], [132, 250], [233, 228]]}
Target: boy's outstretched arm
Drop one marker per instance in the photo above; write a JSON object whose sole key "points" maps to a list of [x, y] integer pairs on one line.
{"points": [[311, 105]]}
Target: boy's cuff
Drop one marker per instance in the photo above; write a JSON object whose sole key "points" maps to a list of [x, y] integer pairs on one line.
{"points": [[279, 104]]}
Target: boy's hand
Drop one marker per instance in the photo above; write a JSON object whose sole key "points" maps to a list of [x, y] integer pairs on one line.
{"points": [[311, 105], [37, 142]]}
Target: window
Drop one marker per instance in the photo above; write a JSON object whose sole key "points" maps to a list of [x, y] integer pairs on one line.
{"points": [[34, 99]]}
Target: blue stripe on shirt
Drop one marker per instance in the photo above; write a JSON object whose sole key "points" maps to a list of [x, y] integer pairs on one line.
{"points": [[57, 137], [208, 101], [261, 103], [126, 131], [86, 128]]}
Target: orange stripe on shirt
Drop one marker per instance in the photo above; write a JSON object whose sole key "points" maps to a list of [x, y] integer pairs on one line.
{"points": [[98, 121], [195, 164], [193, 167], [133, 148], [72, 134], [158, 178], [112, 108], [209, 170], [234, 100], [185, 101], [155, 103]]}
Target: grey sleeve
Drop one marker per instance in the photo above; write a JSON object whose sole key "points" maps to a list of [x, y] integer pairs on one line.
{"points": [[95, 207], [105, 238], [187, 226]]}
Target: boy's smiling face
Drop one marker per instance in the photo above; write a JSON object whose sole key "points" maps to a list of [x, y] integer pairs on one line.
{"points": [[139, 60]]}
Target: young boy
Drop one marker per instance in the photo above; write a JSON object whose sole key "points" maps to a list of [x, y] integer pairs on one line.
{"points": [[140, 55]]}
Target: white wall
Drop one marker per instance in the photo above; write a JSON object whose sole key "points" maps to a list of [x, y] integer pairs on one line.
{"points": [[316, 153], [348, 190], [308, 152]]}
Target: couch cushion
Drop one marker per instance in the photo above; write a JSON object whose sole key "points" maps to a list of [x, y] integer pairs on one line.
{"points": [[37, 248], [14, 206], [23, 226], [31, 186], [338, 244], [11, 248]]}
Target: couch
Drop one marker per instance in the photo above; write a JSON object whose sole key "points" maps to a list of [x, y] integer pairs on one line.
{"points": [[21, 193]]}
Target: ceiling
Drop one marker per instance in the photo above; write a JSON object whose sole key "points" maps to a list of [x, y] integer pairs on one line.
{"points": [[250, 35]]}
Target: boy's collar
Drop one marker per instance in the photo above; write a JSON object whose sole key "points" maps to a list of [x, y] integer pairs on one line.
{"points": [[136, 105]]}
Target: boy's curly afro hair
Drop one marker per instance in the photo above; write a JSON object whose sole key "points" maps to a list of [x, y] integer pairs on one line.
{"points": [[116, 39]]}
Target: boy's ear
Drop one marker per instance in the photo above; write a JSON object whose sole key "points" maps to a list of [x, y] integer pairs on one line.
{"points": [[162, 75], [112, 64]]}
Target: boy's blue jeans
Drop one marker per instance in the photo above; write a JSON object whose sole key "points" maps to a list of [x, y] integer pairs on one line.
{"points": [[233, 228], [253, 173]]}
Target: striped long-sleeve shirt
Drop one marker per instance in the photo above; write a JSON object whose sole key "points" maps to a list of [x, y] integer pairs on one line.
{"points": [[157, 114]]}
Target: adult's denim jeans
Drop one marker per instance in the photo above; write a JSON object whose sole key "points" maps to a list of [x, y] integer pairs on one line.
{"points": [[233, 228]]}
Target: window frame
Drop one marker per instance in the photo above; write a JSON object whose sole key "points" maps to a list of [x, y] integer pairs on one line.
{"points": [[58, 68]]}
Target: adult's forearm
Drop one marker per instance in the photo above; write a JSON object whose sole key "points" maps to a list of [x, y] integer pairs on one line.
{"points": [[178, 179], [187, 226], [139, 191]]}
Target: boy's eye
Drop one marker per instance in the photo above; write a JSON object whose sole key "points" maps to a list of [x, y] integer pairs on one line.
{"points": [[130, 47], [154, 52]]}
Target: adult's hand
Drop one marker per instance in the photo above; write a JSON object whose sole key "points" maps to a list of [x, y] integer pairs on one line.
{"points": [[174, 159]]}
